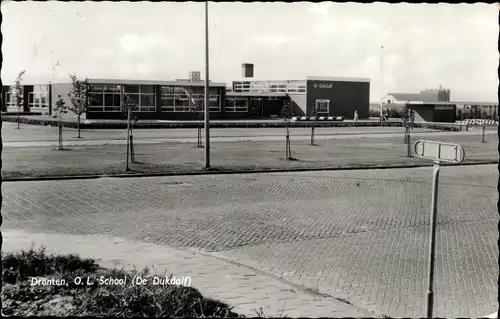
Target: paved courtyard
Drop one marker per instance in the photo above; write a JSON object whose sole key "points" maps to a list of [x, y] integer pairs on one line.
{"points": [[357, 235]]}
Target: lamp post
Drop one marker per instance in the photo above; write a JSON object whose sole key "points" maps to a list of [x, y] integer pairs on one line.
{"points": [[207, 94]]}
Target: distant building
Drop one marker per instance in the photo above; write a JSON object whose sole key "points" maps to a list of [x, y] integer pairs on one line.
{"points": [[429, 95], [437, 95], [429, 105], [435, 105]]}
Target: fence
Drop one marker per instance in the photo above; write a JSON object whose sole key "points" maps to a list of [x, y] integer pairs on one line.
{"points": [[478, 122]]}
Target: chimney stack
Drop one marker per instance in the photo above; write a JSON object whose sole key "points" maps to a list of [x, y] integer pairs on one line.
{"points": [[247, 70], [194, 76]]}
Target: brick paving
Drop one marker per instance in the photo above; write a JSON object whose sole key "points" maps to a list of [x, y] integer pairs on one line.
{"points": [[358, 235]]}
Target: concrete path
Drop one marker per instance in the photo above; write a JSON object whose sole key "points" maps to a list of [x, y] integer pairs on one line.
{"points": [[247, 290]]}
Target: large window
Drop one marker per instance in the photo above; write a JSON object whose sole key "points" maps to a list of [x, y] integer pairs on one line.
{"points": [[96, 97], [181, 99], [112, 98], [235, 104], [9, 100], [39, 98], [188, 99], [108, 97], [141, 95]]}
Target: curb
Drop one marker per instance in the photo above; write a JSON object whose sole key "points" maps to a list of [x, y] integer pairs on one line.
{"points": [[301, 288], [234, 172]]}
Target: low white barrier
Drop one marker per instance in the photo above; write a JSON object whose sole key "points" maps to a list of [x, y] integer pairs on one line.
{"points": [[478, 122], [321, 118]]}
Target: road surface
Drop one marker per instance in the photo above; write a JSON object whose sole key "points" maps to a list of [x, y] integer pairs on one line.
{"points": [[358, 235]]}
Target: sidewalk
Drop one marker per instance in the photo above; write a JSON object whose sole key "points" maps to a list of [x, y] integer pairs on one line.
{"points": [[242, 287], [276, 138]]}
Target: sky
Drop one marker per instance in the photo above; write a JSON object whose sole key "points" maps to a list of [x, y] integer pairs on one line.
{"points": [[424, 45]]}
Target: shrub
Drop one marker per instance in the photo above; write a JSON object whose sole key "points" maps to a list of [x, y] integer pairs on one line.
{"points": [[36, 263], [20, 298], [277, 124]]}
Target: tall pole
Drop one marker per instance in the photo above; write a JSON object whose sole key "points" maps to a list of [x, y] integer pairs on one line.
{"points": [[432, 240], [381, 82], [207, 94]]}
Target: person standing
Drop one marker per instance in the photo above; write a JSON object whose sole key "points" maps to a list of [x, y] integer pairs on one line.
{"points": [[355, 115]]}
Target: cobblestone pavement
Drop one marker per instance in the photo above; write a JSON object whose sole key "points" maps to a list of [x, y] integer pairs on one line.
{"points": [[249, 291], [358, 235]]}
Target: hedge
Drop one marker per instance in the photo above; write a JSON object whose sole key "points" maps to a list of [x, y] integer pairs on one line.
{"points": [[235, 124]]}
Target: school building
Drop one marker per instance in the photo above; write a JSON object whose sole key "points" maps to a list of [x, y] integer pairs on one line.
{"points": [[183, 99]]}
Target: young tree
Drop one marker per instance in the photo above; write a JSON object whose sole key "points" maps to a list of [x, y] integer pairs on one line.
{"points": [[78, 97], [199, 113], [286, 116], [60, 110], [132, 151], [17, 91], [128, 105], [314, 114], [408, 121]]}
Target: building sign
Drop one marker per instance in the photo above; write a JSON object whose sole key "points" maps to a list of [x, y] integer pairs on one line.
{"points": [[444, 107], [322, 86]]}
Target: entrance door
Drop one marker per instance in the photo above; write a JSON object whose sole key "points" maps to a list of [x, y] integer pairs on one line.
{"points": [[256, 106]]}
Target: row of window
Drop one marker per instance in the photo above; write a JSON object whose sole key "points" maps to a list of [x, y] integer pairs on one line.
{"points": [[181, 105], [107, 98], [273, 90], [189, 99], [36, 100], [39, 100], [283, 87], [236, 105]]}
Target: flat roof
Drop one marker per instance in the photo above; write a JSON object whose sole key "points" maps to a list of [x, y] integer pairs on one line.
{"points": [[267, 80], [25, 84], [337, 79], [263, 94], [311, 78], [429, 103], [153, 82], [476, 103]]}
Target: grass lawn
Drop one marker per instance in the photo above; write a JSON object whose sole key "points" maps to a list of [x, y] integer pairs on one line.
{"points": [[20, 298], [229, 156]]}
